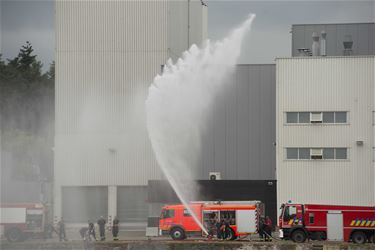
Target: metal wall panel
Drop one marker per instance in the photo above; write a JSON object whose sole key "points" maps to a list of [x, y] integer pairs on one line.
{"points": [[239, 138], [107, 54], [326, 84], [132, 204], [362, 35], [81, 204]]}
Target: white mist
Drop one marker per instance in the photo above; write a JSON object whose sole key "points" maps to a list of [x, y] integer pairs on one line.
{"points": [[177, 106]]}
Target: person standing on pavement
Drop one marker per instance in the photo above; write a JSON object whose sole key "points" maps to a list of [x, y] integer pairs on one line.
{"points": [[115, 228], [61, 225], [101, 222], [267, 229], [91, 231]]}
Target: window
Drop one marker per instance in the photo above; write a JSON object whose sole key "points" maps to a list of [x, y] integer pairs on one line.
{"points": [[292, 153], [311, 218], [304, 153], [303, 117], [168, 213], [317, 153], [340, 117], [373, 149], [341, 153], [329, 117], [328, 153], [318, 117], [373, 117], [186, 213], [292, 117]]}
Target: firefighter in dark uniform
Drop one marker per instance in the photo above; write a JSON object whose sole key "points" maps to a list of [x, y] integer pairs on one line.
{"points": [[91, 231], [115, 228], [62, 234], [101, 223]]}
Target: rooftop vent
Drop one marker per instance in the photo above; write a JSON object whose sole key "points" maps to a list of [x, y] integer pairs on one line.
{"points": [[348, 44], [315, 44], [323, 41]]}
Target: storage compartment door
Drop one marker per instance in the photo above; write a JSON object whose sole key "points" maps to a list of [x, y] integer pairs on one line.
{"points": [[334, 226], [245, 220]]}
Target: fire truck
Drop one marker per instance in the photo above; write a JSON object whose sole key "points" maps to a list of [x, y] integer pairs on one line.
{"points": [[327, 222], [23, 220], [243, 218]]}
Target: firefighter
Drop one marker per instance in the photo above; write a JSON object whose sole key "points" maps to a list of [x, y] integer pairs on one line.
{"points": [[267, 229], [91, 231], [261, 228], [225, 228], [115, 228], [211, 225], [62, 234], [101, 222], [218, 229]]}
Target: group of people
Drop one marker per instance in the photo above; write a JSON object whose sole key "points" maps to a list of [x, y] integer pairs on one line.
{"points": [[220, 226], [88, 233], [224, 232]]}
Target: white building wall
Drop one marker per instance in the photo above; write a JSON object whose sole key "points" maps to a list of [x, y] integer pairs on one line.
{"points": [[326, 84], [107, 54]]}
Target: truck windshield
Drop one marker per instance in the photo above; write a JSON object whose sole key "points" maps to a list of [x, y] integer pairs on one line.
{"points": [[167, 213]]}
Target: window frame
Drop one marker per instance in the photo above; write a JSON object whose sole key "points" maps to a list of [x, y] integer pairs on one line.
{"points": [[323, 149], [298, 122]]}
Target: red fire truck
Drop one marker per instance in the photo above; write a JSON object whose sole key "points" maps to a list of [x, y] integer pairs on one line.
{"points": [[23, 220], [243, 218], [327, 222]]}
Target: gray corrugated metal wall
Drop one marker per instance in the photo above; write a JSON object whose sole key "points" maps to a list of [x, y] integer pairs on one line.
{"points": [[132, 204], [81, 204], [363, 35], [241, 130]]}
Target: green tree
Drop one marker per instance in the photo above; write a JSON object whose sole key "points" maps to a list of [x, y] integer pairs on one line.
{"points": [[27, 112]]}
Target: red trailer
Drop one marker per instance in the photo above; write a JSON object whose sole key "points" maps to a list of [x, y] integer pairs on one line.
{"points": [[243, 217], [327, 222], [22, 220]]}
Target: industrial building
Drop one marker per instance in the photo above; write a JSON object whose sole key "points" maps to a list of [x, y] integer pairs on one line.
{"points": [[325, 116], [107, 54]]}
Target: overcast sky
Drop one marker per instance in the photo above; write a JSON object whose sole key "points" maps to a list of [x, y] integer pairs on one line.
{"points": [[33, 21]]}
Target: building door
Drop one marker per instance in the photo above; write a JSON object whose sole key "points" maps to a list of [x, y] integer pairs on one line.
{"points": [[132, 207], [334, 226], [83, 204]]}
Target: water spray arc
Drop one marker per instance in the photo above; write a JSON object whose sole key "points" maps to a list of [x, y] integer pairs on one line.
{"points": [[177, 106]]}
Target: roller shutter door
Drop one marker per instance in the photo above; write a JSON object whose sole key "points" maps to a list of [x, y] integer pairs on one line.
{"points": [[132, 204], [80, 204]]}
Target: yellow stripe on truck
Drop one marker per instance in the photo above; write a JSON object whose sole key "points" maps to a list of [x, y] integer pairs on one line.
{"points": [[352, 223]]}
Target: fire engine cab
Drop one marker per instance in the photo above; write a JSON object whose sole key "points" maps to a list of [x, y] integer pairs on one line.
{"points": [[20, 221], [327, 222], [243, 218]]}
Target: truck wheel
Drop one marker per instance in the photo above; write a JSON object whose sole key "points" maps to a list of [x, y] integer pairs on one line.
{"points": [[14, 234], [359, 237], [299, 236], [231, 235], [177, 233]]}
